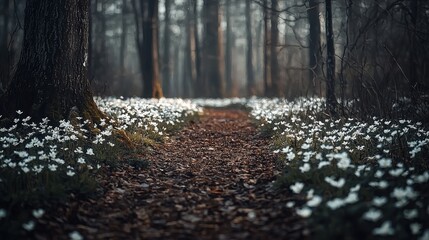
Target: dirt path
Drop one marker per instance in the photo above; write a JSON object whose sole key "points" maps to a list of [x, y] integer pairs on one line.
{"points": [[212, 180]]}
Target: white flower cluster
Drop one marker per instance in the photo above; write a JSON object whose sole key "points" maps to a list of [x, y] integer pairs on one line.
{"points": [[351, 162], [150, 114], [30, 148]]}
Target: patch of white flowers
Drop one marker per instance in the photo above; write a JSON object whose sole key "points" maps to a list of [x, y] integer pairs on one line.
{"points": [[354, 165], [43, 147], [36, 149]]}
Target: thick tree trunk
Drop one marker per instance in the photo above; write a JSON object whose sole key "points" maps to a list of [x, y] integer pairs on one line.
{"points": [[51, 76], [90, 41], [150, 66], [249, 56], [331, 100], [166, 60], [268, 87], [314, 46], [4, 48], [213, 64], [275, 70], [228, 49]]}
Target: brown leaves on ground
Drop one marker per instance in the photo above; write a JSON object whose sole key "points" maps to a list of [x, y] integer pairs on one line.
{"points": [[212, 180]]}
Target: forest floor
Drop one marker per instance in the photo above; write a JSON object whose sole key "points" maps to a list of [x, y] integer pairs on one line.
{"points": [[211, 180]]}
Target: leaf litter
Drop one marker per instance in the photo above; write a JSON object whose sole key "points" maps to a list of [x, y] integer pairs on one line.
{"points": [[211, 180]]}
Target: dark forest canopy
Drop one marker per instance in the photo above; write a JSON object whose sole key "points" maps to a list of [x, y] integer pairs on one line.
{"points": [[377, 51]]}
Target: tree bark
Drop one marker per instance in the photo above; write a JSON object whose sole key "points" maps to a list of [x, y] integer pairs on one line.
{"points": [[268, 88], [314, 46], [199, 80], [51, 77], [4, 48], [228, 49], [275, 70], [166, 61], [123, 47], [90, 41], [413, 58], [331, 101], [190, 56], [213, 66], [249, 56], [148, 48]]}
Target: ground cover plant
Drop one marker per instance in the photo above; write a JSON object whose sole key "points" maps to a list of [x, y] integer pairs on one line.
{"points": [[352, 179], [42, 162]]}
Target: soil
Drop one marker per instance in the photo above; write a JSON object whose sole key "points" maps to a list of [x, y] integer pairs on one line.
{"points": [[211, 180]]}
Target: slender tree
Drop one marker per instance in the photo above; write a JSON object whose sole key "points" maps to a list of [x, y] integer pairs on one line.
{"points": [[268, 87], [213, 66], [199, 81], [314, 45], [4, 48], [331, 100], [166, 58], [228, 47], [123, 47], [249, 55], [146, 17], [190, 55], [275, 69], [51, 76]]}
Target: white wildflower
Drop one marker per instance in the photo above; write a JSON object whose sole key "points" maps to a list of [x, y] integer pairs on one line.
{"points": [[29, 226], [335, 183], [75, 235], [415, 228], [305, 168], [372, 215], [335, 203], [89, 151], [3, 213], [385, 162], [70, 173], [410, 213], [38, 213], [81, 160], [315, 201], [304, 212], [379, 201], [384, 229], [297, 187]]}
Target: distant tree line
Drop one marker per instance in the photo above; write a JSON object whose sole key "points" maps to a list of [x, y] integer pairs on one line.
{"points": [[374, 51]]}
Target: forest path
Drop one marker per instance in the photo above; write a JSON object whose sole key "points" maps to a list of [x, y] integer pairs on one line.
{"points": [[211, 180]]}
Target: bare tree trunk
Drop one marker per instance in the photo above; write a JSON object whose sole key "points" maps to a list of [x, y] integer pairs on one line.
{"points": [[90, 45], [413, 65], [258, 51], [275, 70], [199, 80], [51, 76], [331, 100], [166, 61], [268, 88], [314, 46], [190, 58], [213, 64], [151, 77], [146, 18], [123, 48], [4, 48], [249, 56], [228, 49]]}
